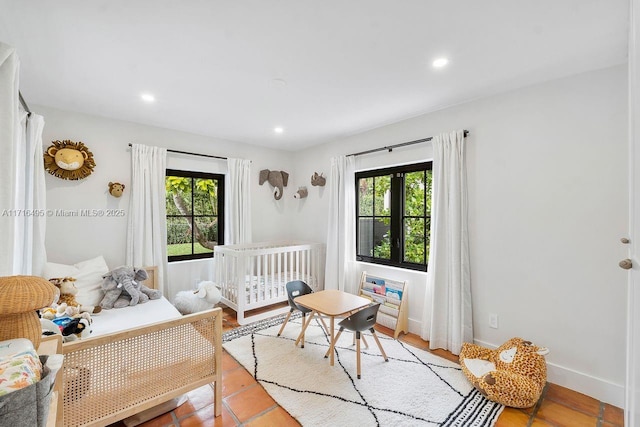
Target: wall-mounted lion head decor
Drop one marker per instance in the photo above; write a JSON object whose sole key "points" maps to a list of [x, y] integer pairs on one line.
{"points": [[69, 160]]}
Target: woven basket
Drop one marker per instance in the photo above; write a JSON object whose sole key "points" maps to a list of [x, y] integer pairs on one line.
{"points": [[21, 325], [20, 297]]}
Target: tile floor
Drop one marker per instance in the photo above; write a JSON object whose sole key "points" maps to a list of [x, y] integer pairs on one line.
{"points": [[245, 403]]}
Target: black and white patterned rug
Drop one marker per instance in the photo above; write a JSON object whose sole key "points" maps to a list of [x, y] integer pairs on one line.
{"points": [[414, 388]]}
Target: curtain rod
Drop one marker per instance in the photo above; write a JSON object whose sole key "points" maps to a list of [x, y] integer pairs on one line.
{"points": [[24, 103], [194, 154], [402, 144]]}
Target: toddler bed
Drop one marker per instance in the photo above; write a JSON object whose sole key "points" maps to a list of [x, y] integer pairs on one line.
{"points": [[253, 276], [122, 370]]}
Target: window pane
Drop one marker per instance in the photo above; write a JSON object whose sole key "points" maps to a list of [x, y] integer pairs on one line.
{"points": [[178, 195], [382, 239], [428, 189], [365, 197], [365, 236], [207, 233], [414, 189], [382, 188], [414, 233], [428, 233], [178, 236], [205, 197]]}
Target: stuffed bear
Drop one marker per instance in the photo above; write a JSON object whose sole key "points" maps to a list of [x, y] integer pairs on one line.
{"points": [[68, 292], [514, 374], [122, 287]]}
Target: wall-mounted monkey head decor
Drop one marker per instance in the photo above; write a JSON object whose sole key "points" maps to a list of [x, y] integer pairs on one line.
{"points": [[318, 180], [116, 189], [277, 179]]}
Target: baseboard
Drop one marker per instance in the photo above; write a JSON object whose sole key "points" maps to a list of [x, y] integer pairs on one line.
{"points": [[598, 388]]}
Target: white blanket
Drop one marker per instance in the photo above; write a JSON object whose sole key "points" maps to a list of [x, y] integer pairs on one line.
{"points": [[120, 319]]}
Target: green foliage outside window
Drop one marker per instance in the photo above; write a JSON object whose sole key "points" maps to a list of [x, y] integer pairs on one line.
{"points": [[375, 211], [192, 215]]}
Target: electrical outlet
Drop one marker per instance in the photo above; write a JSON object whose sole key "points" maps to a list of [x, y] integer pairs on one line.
{"points": [[493, 320]]}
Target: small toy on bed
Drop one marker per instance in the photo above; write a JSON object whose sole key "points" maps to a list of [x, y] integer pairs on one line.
{"points": [[123, 287], [68, 292], [514, 374], [71, 328], [203, 298]]}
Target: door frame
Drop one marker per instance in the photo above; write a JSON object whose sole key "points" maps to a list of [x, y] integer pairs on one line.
{"points": [[632, 382]]}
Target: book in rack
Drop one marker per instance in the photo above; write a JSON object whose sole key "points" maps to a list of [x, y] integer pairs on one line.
{"points": [[392, 296]]}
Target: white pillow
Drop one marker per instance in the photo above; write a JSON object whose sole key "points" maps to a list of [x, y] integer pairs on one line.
{"points": [[88, 275]]}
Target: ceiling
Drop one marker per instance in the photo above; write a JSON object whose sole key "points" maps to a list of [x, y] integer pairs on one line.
{"points": [[321, 70]]}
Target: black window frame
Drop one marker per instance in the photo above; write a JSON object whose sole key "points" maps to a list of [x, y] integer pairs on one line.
{"points": [[204, 175], [397, 215]]}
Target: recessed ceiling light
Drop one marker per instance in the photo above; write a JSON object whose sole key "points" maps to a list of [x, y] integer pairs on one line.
{"points": [[278, 129], [440, 62], [147, 97]]}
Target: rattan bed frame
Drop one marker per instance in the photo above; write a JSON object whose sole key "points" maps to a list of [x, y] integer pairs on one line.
{"points": [[111, 377]]}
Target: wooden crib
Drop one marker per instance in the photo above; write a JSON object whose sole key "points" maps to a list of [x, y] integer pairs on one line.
{"points": [[253, 276]]}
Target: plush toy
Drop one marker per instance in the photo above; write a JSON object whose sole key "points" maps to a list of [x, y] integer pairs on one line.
{"points": [[64, 310], [514, 374], [68, 292], [205, 297], [71, 328], [122, 287], [49, 313]]}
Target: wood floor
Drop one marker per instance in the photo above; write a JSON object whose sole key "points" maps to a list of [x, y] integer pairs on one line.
{"points": [[245, 403]]}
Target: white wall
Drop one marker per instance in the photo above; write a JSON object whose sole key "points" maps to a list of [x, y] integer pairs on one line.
{"points": [[73, 239], [547, 173], [548, 204]]}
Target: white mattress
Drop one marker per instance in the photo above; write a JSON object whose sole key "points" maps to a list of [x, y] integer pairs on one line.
{"points": [[119, 319]]}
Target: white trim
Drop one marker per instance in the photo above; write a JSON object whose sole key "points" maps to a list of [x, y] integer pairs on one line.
{"points": [[632, 382]]}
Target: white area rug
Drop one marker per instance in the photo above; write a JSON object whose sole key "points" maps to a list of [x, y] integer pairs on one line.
{"points": [[414, 388]]}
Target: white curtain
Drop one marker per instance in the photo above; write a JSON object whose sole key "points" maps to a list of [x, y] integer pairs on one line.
{"points": [[447, 320], [9, 129], [238, 212], [22, 188], [29, 249], [147, 230], [341, 234]]}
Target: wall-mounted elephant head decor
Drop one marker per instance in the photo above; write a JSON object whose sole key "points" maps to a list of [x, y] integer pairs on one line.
{"points": [[301, 193], [277, 179], [318, 180]]}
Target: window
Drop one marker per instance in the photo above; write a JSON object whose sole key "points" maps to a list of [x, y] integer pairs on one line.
{"points": [[393, 216], [195, 214]]}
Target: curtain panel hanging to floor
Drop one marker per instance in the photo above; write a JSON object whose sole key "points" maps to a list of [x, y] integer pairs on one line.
{"points": [[147, 228], [22, 184], [341, 234], [30, 254], [447, 319], [9, 65], [238, 208]]}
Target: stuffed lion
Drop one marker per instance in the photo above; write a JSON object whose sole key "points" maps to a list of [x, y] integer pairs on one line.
{"points": [[514, 374]]}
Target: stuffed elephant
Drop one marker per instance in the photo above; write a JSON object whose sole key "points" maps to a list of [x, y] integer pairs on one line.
{"points": [[277, 179], [122, 288]]}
